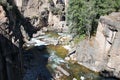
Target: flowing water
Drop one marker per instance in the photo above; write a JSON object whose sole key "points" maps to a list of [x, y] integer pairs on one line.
{"points": [[54, 63], [75, 70]]}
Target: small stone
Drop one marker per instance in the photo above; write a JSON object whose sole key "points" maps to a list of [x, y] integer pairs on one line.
{"points": [[73, 57], [67, 58], [74, 79], [44, 29], [82, 78]]}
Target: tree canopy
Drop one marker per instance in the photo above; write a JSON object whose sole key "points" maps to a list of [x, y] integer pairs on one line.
{"points": [[83, 15]]}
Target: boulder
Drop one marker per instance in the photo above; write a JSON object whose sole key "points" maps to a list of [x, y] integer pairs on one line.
{"points": [[3, 17], [103, 51]]}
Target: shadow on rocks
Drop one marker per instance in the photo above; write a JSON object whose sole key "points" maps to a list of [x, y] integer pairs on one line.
{"points": [[36, 65], [108, 75]]}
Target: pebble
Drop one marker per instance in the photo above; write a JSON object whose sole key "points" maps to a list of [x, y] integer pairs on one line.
{"points": [[74, 79], [82, 78], [67, 58]]}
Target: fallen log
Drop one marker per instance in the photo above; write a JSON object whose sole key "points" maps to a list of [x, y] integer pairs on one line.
{"points": [[62, 70]]}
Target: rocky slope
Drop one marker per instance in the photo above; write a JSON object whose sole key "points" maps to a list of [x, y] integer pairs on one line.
{"points": [[102, 52]]}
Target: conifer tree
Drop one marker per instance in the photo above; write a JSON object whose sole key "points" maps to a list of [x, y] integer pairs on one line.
{"points": [[83, 15]]}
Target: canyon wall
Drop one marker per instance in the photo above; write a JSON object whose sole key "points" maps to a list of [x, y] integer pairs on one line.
{"points": [[19, 20], [102, 52], [46, 13], [19, 23]]}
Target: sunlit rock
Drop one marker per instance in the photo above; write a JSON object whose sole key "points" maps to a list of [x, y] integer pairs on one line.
{"points": [[102, 51], [82, 78], [67, 58]]}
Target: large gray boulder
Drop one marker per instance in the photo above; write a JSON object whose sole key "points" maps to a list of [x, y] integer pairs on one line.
{"points": [[103, 51]]}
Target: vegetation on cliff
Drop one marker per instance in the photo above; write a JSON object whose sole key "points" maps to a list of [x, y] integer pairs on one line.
{"points": [[83, 15]]}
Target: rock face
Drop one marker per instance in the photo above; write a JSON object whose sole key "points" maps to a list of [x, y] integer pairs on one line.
{"points": [[15, 29], [45, 13], [102, 52], [2, 15], [18, 3], [8, 48]]}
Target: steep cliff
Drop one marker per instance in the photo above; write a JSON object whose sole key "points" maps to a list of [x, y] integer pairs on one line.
{"points": [[19, 20], [102, 52], [45, 13]]}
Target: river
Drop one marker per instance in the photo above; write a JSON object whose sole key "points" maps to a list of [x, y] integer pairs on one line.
{"points": [[52, 61]]}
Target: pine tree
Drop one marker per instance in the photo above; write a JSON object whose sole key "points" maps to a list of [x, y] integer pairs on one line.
{"points": [[82, 15]]}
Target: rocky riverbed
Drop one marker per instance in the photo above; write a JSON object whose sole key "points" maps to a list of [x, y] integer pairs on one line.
{"points": [[61, 63]]}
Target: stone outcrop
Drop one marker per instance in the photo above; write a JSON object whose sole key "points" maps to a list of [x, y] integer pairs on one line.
{"points": [[45, 13], [102, 52]]}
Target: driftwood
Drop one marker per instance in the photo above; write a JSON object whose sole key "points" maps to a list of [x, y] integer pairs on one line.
{"points": [[62, 70]]}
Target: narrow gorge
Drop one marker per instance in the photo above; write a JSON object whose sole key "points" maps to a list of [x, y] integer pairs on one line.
{"points": [[36, 43]]}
